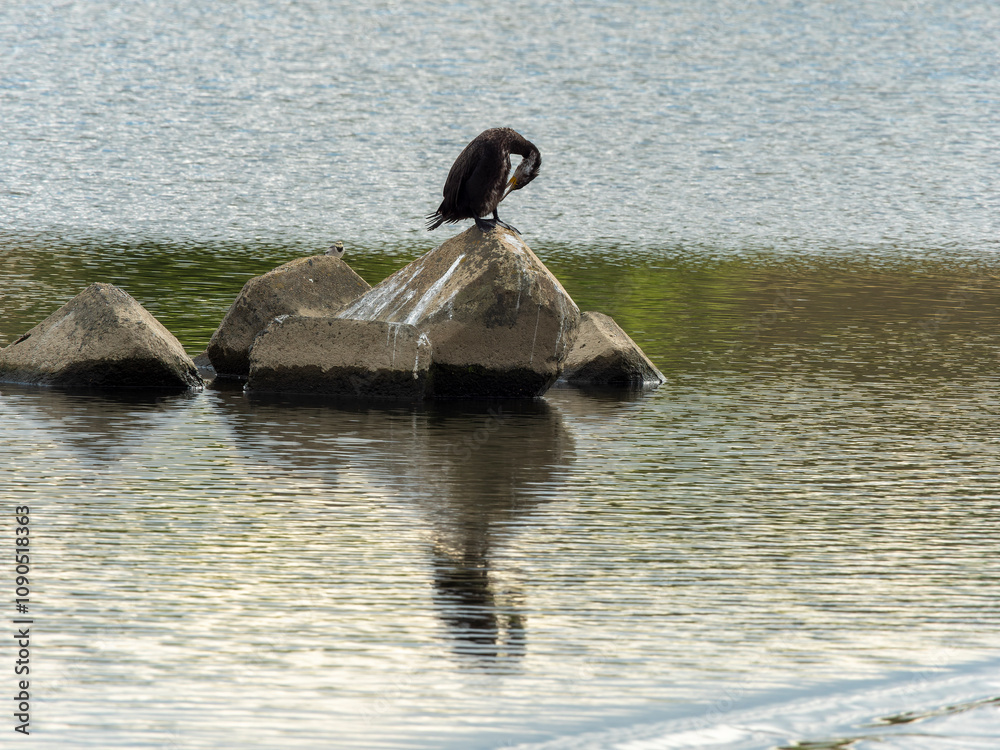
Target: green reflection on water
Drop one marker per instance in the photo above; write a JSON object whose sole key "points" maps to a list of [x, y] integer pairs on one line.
{"points": [[689, 309], [188, 287]]}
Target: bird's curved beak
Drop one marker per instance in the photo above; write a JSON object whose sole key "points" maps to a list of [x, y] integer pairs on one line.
{"points": [[511, 185]]}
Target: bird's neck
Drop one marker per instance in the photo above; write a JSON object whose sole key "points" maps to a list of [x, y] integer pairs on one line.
{"points": [[523, 147]]}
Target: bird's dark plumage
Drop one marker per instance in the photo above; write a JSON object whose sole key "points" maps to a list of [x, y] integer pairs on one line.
{"points": [[476, 182]]}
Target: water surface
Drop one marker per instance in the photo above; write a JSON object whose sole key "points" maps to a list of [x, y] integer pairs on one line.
{"points": [[726, 125], [794, 542], [812, 498]]}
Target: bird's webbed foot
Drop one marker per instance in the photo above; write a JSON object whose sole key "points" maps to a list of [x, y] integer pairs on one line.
{"points": [[486, 225], [504, 224]]}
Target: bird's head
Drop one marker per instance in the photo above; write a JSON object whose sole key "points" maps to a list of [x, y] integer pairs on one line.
{"points": [[526, 171]]}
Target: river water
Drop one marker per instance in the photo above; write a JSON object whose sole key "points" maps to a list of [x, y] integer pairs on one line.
{"points": [[794, 542]]}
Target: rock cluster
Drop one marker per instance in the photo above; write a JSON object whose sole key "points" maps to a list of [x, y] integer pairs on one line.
{"points": [[499, 322], [478, 317]]}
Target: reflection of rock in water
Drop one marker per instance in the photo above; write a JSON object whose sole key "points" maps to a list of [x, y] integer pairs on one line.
{"points": [[448, 458], [471, 468], [99, 425], [489, 456], [347, 447], [495, 465]]}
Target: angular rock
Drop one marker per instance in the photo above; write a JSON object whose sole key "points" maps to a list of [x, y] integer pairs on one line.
{"points": [[316, 286], [102, 338], [336, 357], [603, 354], [499, 321]]}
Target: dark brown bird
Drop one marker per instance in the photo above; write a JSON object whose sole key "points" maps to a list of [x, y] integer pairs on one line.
{"points": [[476, 182]]}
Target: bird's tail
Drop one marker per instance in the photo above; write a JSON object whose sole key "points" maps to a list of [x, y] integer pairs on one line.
{"points": [[434, 220]]}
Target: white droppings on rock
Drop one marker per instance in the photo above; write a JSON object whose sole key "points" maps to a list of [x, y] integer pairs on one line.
{"points": [[435, 289], [514, 243], [338, 356], [562, 324], [404, 300], [450, 302], [462, 301], [374, 303], [422, 343], [538, 317], [395, 335]]}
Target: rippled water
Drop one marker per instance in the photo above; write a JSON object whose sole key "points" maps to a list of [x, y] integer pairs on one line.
{"points": [[228, 572], [792, 207], [805, 125]]}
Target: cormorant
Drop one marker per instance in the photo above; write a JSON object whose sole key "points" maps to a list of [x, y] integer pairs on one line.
{"points": [[476, 182]]}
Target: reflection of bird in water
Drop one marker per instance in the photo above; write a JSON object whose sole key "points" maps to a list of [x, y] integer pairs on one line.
{"points": [[483, 624], [476, 182]]}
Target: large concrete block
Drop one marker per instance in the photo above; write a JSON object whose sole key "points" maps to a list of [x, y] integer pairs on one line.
{"points": [[336, 357], [316, 286], [500, 323], [603, 354], [102, 338]]}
